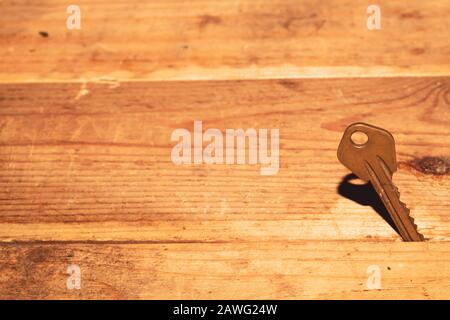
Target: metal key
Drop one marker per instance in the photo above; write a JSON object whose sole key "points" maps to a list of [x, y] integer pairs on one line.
{"points": [[374, 160]]}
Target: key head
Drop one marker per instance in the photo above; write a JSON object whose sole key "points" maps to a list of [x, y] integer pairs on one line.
{"points": [[380, 143]]}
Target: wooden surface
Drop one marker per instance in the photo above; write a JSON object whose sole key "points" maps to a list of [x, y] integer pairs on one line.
{"points": [[233, 270], [86, 176], [208, 39]]}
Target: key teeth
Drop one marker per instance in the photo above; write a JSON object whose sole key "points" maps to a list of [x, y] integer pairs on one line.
{"points": [[415, 226], [396, 191], [406, 208], [408, 211], [380, 187]]}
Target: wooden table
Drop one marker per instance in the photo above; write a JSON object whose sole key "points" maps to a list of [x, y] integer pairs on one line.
{"points": [[86, 176]]}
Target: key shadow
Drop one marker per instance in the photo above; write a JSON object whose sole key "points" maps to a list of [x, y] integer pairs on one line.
{"points": [[364, 194]]}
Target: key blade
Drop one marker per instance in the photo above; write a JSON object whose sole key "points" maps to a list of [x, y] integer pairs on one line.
{"points": [[381, 143], [381, 179]]}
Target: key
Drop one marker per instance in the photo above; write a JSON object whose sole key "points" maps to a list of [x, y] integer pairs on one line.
{"points": [[374, 160]]}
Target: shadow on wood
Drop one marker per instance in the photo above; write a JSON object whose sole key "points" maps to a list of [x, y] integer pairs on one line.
{"points": [[364, 194]]}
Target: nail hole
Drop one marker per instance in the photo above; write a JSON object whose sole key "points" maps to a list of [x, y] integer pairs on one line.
{"points": [[359, 138]]}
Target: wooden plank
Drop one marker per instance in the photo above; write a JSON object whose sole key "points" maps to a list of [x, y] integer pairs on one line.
{"points": [[207, 39], [92, 162], [289, 270]]}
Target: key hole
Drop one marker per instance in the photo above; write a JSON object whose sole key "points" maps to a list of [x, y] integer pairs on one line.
{"points": [[359, 138]]}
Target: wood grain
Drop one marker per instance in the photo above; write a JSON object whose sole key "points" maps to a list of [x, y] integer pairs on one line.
{"points": [[283, 270], [97, 166], [86, 176], [207, 39]]}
